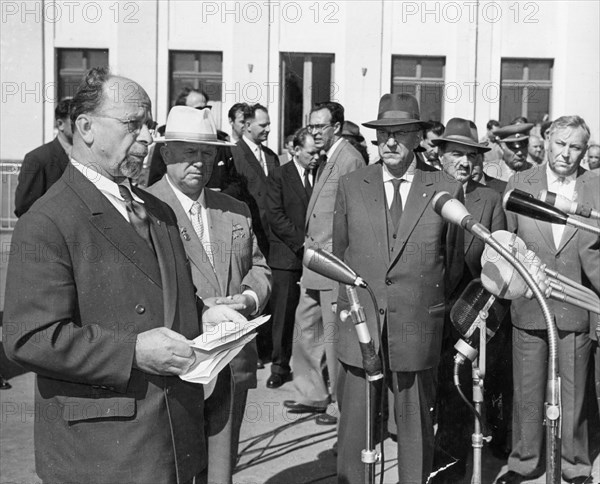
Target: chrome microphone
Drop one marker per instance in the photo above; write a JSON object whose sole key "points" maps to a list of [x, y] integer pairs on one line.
{"points": [[568, 206], [328, 265]]}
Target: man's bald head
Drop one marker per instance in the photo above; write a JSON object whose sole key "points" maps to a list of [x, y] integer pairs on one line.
{"points": [[536, 149]]}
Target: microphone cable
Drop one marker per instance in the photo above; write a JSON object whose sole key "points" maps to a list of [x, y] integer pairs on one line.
{"points": [[457, 365]]}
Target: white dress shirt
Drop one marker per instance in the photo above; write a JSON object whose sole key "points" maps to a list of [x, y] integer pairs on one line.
{"points": [[301, 171], [404, 186], [565, 186], [258, 152]]}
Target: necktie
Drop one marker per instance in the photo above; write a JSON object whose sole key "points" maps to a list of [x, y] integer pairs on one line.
{"points": [[198, 225], [396, 207], [307, 186], [138, 217], [322, 163], [261, 160], [558, 229]]}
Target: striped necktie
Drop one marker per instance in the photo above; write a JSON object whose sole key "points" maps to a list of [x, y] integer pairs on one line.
{"points": [[196, 213]]}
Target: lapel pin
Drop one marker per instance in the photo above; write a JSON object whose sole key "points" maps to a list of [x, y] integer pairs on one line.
{"points": [[184, 233]]}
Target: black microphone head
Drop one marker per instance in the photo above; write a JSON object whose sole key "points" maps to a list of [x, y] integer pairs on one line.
{"points": [[328, 265], [465, 312], [524, 203]]}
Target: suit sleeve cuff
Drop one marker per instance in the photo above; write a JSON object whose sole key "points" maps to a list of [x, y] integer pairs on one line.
{"points": [[254, 296]]}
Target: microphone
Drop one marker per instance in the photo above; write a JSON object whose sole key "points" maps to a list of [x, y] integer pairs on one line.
{"points": [[568, 206], [503, 281], [454, 211], [515, 286], [467, 314], [524, 203], [328, 265]]}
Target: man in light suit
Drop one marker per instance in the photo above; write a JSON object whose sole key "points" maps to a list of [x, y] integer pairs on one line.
{"points": [[385, 228], [101, 306], [43, 166], [290, 188], [315, 319], [227, 266], [573, 254], [459, 152]]}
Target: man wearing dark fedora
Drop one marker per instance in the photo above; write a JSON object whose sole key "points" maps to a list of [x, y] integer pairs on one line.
{"points": [[460, 151], [513, 141], [385, 228], [227, 266]]}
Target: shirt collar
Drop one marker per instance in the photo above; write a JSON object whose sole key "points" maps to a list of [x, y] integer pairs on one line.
{"points": [[103, 183], [253, 146], [408, 175], [333, 148], [185, 201], [554, 178]]}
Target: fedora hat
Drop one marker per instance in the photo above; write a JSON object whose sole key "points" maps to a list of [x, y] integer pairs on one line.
{"points": [[352, 129], [191, 125], [463, 132], [397, 110]]}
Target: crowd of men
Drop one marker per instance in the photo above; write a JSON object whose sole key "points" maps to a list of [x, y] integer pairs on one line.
{"points": [[138, 263]]}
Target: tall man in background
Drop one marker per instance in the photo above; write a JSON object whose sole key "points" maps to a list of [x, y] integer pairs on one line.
{"points": [[315, 319]]}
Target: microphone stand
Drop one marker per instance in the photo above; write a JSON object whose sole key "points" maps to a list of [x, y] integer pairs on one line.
{"points": [[553, 404], [372, 366]]}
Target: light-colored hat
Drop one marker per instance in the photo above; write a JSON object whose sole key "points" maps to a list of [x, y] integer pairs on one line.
{"points": [[191, 125]]}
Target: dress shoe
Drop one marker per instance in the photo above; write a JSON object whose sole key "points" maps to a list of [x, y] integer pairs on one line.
{"points": [[510, 477], [326, 419], [580, 480], [295, 407], [276, 380]]}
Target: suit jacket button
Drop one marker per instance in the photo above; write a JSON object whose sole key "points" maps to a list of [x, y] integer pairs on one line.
{"points": [[382, 311], [388, 282], [140, 309], [314, 215]]}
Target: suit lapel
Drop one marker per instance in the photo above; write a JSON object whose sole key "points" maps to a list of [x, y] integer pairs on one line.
{"points": [[374, 199], [421, 191], [325, 174], [476, 206], [191, 242], [251, 158], [295, 181], [113, 226], [221, 230], [538, 183], [569, 232]]}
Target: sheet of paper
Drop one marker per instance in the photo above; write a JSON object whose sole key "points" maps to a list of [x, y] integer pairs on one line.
{"points": [[224, 333]]}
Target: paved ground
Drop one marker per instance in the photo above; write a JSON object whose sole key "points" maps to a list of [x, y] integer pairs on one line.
{"points": [[276, 447]]}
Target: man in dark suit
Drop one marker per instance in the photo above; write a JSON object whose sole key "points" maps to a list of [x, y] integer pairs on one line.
{"points": [[459, 151], [385, 228], [105, 313], [227, 266], [574, 254], [315, 319], [43, 166], [289, 190], [254, 162]]}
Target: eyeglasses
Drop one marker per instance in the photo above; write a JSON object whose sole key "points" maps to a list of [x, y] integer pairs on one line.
{"points": [[384, 136], [317, 128], [134, 126]]}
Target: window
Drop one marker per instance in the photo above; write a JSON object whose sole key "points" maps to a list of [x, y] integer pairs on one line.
{"points": [[71, 65], [525, 89], [200, 70], [307, 79], [423, 77]]}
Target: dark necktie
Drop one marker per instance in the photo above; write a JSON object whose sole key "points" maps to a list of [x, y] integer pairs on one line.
{"points": [[138, 217], [307, 186], [322, 163], [396, 207]]}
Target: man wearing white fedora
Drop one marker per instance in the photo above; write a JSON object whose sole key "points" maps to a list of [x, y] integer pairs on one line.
{"points": [[227, 265]]}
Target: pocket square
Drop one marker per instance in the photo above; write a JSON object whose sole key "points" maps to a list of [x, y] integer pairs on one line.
{"points": [[238, 232]]}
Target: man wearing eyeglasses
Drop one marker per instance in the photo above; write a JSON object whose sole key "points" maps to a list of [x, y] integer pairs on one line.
{"points": [[315, 319], [385, 228], [513, 141], [103, 308]]}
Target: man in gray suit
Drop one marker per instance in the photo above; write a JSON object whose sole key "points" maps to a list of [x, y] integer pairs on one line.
{"points": [[315, 319], [227, 266]]}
